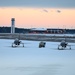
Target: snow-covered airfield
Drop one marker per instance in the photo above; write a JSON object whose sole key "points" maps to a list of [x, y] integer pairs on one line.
{"points": [[32, 60]]}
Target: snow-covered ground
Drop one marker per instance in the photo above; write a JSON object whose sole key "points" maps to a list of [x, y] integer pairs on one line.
{"points": [[32, 60]]}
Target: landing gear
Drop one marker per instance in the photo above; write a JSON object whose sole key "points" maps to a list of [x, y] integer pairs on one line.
{"points": [[63, 47]]}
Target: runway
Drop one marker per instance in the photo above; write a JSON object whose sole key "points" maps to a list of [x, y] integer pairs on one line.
{"points": [[32, 60]]}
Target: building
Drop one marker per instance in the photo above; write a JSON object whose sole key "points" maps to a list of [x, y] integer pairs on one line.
{"points": [[47, 31]]}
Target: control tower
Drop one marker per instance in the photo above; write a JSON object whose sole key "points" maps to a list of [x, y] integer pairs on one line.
{"points": [[12, 25]]}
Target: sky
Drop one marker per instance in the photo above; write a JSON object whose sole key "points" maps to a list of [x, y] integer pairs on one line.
{"points": [[38, 13]]}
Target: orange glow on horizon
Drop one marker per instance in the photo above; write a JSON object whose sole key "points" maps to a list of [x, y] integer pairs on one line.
{"points": [[37, 17]]}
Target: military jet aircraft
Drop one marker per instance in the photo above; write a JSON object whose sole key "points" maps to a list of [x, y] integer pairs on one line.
{"points": [[42, 44], [17, 42], [63, 45]]}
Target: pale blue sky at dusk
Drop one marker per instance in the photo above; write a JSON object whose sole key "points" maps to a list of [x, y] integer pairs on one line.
{"points": [[38, 3]]}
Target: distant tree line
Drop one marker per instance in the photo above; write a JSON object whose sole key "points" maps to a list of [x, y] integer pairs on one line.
{"points": [[23, 30], [17, 30]]}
